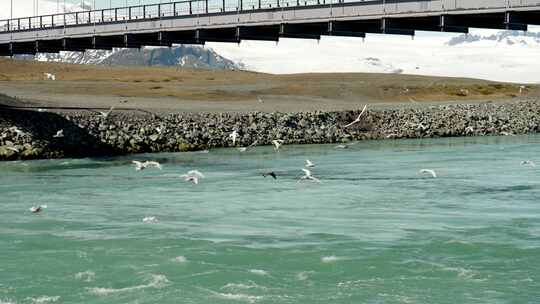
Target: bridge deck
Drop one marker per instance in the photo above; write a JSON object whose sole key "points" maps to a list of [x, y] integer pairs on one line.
{"points": [[198, 21]]}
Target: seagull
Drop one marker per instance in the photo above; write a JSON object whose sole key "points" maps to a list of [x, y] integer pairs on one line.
{"points": [[357, 120], [529, 163], [308, 164], [428, 171], [242, 149], [507, 133], [307, 175], [469, 129], [233, 136], [105, 115], [50, 76], [277, 143], [259, 100], [16, 130], [59, 134], [36, 209], [193, 176], [272, 174], [139, 166], [342, 147], [150, 220], [421, 126]]}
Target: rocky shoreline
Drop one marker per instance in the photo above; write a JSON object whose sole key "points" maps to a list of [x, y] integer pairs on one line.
{"points": [[28, 134]]}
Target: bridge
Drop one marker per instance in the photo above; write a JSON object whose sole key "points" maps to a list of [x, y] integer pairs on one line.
{"points": [[200, 21]]}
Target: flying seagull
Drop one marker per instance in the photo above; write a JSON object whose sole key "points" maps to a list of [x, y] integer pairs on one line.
{"points": [[342, 147], [36, 209], [529, 163], [277, 143], [242, 149], [307, 175], [59, 134], [105, 115], [139, 166], [357, 120], [308, 164], [428, 171], [272, 174], [259, 100], [233, 136], [193, 176]]}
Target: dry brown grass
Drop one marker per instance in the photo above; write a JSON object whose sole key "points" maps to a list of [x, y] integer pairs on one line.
{"points": [[189, 84]]}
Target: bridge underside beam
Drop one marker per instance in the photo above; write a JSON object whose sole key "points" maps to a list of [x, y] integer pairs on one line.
{"points": [[24, 48], [49, 46], [429, 23], [180, 37], [5, 49], [229, 34], [528, 17], [490, 21], [78, 44], [262, 33]]}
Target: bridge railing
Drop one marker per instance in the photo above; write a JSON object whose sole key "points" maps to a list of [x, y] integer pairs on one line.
{"points": [[151, 11]]}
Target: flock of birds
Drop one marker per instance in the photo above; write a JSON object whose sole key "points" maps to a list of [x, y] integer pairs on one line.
{"points": [[194, 176]]}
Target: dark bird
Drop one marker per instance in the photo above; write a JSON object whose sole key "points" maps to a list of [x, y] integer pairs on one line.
{"points": [[272, 174]]}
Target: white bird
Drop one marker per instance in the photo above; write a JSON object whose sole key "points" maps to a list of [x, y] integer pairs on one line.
{"points": [[193, 176], [233, 136], [259, 100], [59, 134], [277, 143], [41, 110], [307, 175], [17, 131], [139, 166], [342, 146], [529, 163], [469, 129], [150, 220], [154, 164], [50, 76], [308, 164], [242, 149], [521, 89], [357, 120], [105, 115], [429, 171], [36, 209]]}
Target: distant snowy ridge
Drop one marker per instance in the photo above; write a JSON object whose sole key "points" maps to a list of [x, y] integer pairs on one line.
{"points": [[508, 38]]}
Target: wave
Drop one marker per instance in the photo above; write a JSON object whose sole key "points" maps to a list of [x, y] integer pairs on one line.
{"points": [[86, 276], [45, 299], [179, 259], [259, 272], [240, 286], [239, 297], [6, 301], [157, 281], [329, 259]]}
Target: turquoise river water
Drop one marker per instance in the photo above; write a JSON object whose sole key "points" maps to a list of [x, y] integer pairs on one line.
{"points": [[374, 231]]}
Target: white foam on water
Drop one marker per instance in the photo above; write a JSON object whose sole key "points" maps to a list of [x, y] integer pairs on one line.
{"points": [[303, 275], [150, 220], [7, 301], [86, 276], [44, 299], [329, 259], [239, 286], [157, 281], [259, 272], [179, 259], [239, 297]]}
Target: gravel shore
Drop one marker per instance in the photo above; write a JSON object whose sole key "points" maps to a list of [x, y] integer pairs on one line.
{"points": [[26, 134]]}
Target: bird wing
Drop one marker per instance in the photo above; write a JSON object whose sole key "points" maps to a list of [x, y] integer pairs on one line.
{"points": [[357, 118], [196, 173], [309, 163], [306, 171]]}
